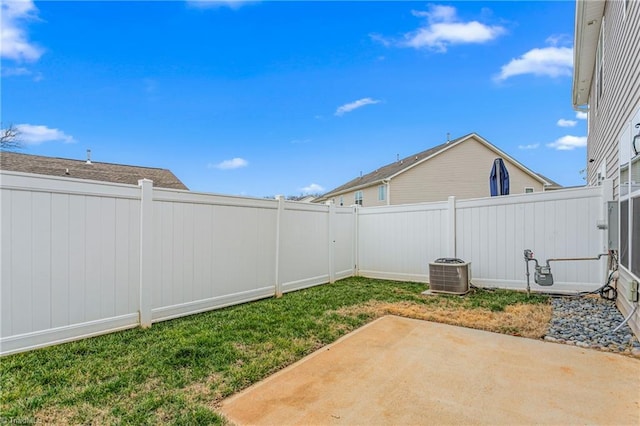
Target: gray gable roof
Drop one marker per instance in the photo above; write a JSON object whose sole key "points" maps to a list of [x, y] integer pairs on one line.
{"points": [[385, 172], [107, 172], [391, 170], [550, 183]]}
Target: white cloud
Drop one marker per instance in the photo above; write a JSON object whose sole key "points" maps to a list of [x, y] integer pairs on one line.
{"points": [[20, 72], [559, 39], [530, 146], [568, 143], [17, 71], [437, 13], [547, 61], [232, 4], [14, 42], [444, 29], [355, 105], [314, 188], [380, 39], [36, 134], [566, 123], [234, 163], [581, 115]]}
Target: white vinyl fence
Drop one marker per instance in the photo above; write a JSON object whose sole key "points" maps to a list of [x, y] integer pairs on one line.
{"points": [[80, 258], [398, 242], [70, 259]]}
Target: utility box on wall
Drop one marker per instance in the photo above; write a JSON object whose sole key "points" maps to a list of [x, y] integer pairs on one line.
{"points": [[612, 225]]}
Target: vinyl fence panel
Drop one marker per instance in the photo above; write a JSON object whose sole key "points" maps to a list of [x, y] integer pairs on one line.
{"points": [[211, 251], [398, 242], [62, 245], [492, 234], [345, 243], [304, 245]]}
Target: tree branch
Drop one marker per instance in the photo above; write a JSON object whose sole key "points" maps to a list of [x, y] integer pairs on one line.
{"points": [[10, 138]]}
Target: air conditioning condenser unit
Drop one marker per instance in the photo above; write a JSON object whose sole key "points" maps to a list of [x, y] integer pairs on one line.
{"points": [[449, 275]]}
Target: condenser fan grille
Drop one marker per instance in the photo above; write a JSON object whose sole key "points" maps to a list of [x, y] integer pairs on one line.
{"points": [[452, 278]]}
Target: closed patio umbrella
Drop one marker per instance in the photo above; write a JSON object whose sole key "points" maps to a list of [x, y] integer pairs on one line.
{"points": [[499, 178]]}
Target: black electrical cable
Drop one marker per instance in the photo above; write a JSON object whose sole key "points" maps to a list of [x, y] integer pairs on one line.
{"points": [[602, 291], [483, 288], [606, 291], [609, 293]]}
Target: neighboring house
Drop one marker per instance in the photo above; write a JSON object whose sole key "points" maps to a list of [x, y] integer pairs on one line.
{"points": [[307, 199], [460, 167], [117, 173], [606, 84]]}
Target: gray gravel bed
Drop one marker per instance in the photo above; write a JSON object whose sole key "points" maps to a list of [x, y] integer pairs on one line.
{"points": [[589, 322]]}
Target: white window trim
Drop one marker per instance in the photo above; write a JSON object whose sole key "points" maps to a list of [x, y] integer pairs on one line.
{"points": [[632, 191], [356, 198], [598, 67], [529, 187]]}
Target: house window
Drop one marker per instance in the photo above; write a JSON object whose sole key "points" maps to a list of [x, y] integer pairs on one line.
{"points": [[528, 190], [341, 200], [629, 160], [358, 198], [382, 192], [630, 235]]}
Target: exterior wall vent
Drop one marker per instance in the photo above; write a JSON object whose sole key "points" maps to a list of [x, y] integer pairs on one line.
{"points": [[449, 275]]}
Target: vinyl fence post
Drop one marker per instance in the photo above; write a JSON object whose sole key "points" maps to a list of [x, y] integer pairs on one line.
{"points": [[278, 284], [356, 237], [332, 242], [146, 251], [452, 227]]}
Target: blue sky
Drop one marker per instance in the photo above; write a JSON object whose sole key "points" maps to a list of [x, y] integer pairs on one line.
{"points": [[265, 98]]}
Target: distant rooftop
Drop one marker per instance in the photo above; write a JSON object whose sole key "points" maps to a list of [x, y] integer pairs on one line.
{"points": [[82, 169]]}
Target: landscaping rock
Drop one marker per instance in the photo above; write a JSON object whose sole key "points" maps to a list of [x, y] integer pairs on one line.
{"points": [[589, 322]]}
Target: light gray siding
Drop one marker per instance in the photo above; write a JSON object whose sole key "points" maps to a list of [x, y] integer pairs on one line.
{"points": [[620, 97], [612, 109]]}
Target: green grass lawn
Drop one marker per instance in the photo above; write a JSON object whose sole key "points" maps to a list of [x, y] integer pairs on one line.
{"points": [[176, 371]]}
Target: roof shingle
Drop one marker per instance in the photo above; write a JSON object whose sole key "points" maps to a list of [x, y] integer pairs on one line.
{"points": [[389, 170], [107, 172]]}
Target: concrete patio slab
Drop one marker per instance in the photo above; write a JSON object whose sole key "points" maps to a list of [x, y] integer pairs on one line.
{"points": [[407, 372]]}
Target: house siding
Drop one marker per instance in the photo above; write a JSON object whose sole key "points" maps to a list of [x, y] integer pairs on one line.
{"points": [[620, 89], [612, 112], [462, 171], [369, 197]]}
